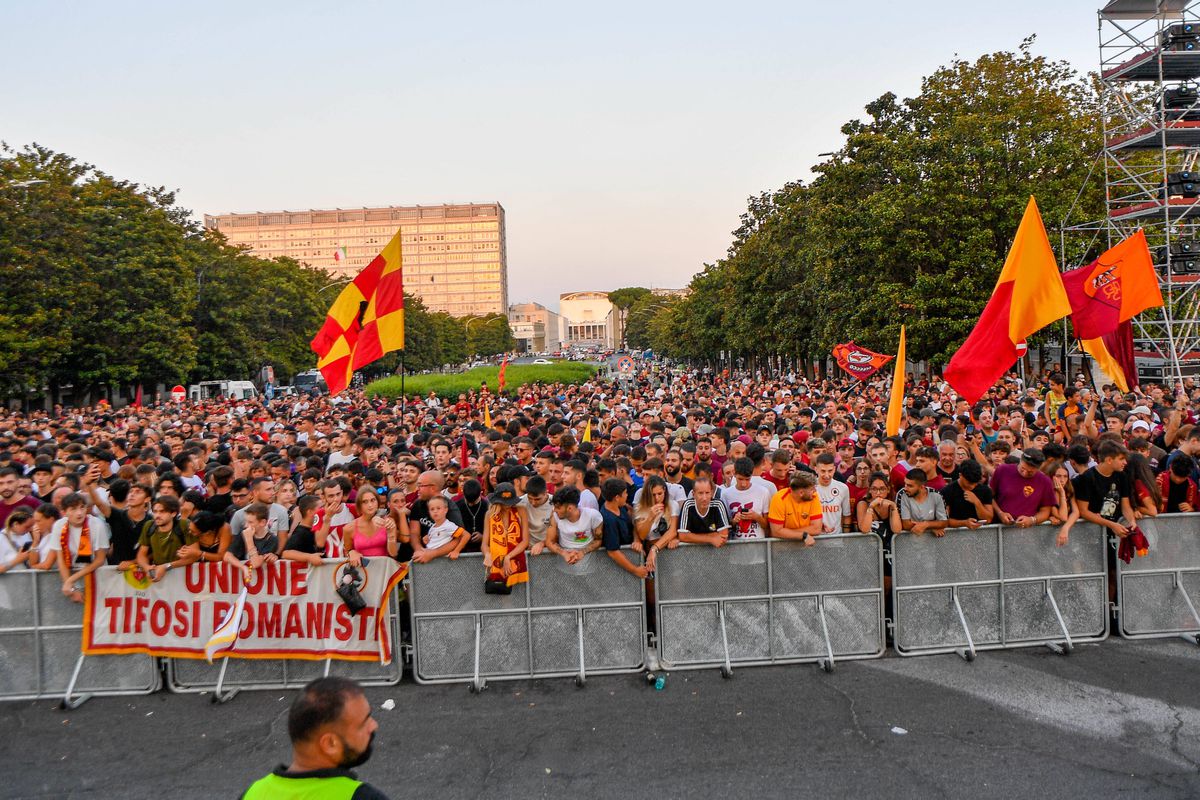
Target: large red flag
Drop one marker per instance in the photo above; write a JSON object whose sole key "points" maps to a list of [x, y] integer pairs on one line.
{"points": [[500, 376], [857, 360], [1028, 296]]}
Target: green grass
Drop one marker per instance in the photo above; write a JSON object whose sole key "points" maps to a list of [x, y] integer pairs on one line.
{"points": [[451, 385]]}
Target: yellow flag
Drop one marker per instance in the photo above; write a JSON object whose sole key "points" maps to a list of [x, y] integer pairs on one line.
{"points": [[1096, 349], [587, 432], [487, 416], [896, 401]]}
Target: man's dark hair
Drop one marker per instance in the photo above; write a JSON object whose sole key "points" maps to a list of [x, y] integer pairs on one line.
{"points": [[917, 474], [535, 485], [118, 490], [168, 502], [566, 496], [1181, 465], [320, 703], [743, 467], [613, 488], [825, 458], [971, 471], [1110, 449]]}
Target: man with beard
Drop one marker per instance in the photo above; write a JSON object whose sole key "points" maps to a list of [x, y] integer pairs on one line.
{"points": [[11, 497], [673, 469], [332, 731]]}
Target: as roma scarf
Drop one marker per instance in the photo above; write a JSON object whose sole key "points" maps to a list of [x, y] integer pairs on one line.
{"points": [[85, 542], [504, 537]]}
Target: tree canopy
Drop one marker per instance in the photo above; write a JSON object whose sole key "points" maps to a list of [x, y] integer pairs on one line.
{"points": [[908, 222]]}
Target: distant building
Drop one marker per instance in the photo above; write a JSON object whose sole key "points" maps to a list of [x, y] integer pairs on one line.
{"points": [[590, 320], [684, 292], [454, 255], [536, 328]]}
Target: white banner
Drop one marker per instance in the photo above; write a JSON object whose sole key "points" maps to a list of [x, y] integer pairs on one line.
{"points": [[292, 610]]}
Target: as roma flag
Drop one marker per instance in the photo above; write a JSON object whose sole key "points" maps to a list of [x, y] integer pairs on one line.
{"points": [[859, 361], [1029, 295], [365, 321], [1105, 295]]}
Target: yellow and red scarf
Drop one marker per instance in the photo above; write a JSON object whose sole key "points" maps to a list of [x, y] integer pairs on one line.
{"points": [[504, 536], [85, 542]]}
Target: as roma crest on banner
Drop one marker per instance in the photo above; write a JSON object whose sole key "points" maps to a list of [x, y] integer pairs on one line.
{"points": [[859, 361]]}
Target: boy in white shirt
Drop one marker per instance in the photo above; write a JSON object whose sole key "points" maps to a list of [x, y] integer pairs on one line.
{"points": [[445, 538], [81, 542]]}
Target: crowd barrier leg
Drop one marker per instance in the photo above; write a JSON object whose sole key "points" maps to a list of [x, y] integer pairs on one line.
{"points": [[477, 683], [70, 703], [968, 652], [1194, 638], [727, 670], [1068, 645], [827, 663], [581, 678]]}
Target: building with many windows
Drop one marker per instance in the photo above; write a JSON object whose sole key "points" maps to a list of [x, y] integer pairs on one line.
{"points": [[536, 328], [454, 255]]}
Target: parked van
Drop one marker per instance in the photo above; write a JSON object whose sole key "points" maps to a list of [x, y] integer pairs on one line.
{"points": [[213, 390]]}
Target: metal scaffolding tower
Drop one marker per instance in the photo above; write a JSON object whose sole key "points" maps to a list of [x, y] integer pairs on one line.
{"points": [[1149, 86]]}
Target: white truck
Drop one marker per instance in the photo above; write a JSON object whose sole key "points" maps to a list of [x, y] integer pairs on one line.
{"points": [[212, 390]]}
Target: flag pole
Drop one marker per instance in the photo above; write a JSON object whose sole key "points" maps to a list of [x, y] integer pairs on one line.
{"points": [[403, 396]]}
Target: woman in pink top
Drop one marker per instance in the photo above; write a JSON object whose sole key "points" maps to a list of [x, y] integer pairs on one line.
{"points": [[368, 534]]}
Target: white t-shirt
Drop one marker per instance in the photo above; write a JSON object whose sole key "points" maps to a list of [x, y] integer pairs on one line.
{"points": [[674, 492], [757, 499], [579, 534], [333, 543], [539, 518], [673, 511], [588, 500], [97, 532], [194, 483], [336, 457], [441, 535], [835, 504], [10, 546]]}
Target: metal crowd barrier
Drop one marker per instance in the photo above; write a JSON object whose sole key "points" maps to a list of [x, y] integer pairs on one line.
{"points": [[567, 620], [998, 587], [767, 601], [40, 635], [1158, 594], [228, 677]]}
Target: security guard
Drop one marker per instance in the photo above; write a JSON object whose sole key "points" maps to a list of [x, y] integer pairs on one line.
{"points": [[332, 730]]}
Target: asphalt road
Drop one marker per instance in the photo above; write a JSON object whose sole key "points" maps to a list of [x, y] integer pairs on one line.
{"points": [[1111, 720]]}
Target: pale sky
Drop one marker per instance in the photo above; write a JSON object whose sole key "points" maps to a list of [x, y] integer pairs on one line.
{"points": [[622, 139]]}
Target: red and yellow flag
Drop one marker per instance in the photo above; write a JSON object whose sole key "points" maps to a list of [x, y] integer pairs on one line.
{"points": [[1105, 295], [365, 321], [1029, 295], [896, 402]]}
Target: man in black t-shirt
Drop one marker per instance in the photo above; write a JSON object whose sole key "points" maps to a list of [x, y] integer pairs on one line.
{"points": [[968, 498], [1103, 491], [704, 520]]}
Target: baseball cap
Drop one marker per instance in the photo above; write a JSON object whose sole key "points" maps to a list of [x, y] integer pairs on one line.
{"points": [[845, 443], [1141, 410]]}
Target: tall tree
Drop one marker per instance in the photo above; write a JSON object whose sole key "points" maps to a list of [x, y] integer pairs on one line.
{"points": [[623, 300]]}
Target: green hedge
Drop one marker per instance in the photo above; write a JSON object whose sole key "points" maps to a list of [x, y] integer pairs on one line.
{"points": [[453, 384]]}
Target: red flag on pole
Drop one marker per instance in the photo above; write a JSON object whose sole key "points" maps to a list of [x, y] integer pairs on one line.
{"points": [[137, 398], [464, 456], [860, 362], [500, 377]]}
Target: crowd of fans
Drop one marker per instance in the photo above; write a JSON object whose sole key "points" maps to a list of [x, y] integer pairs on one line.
{"points": [[641, 463]]}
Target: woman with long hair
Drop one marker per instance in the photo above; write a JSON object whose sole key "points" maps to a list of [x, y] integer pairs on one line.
{"points": [[397, 507], [655, 515], [1146, 495], [1066, 511], [372, 532]]}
